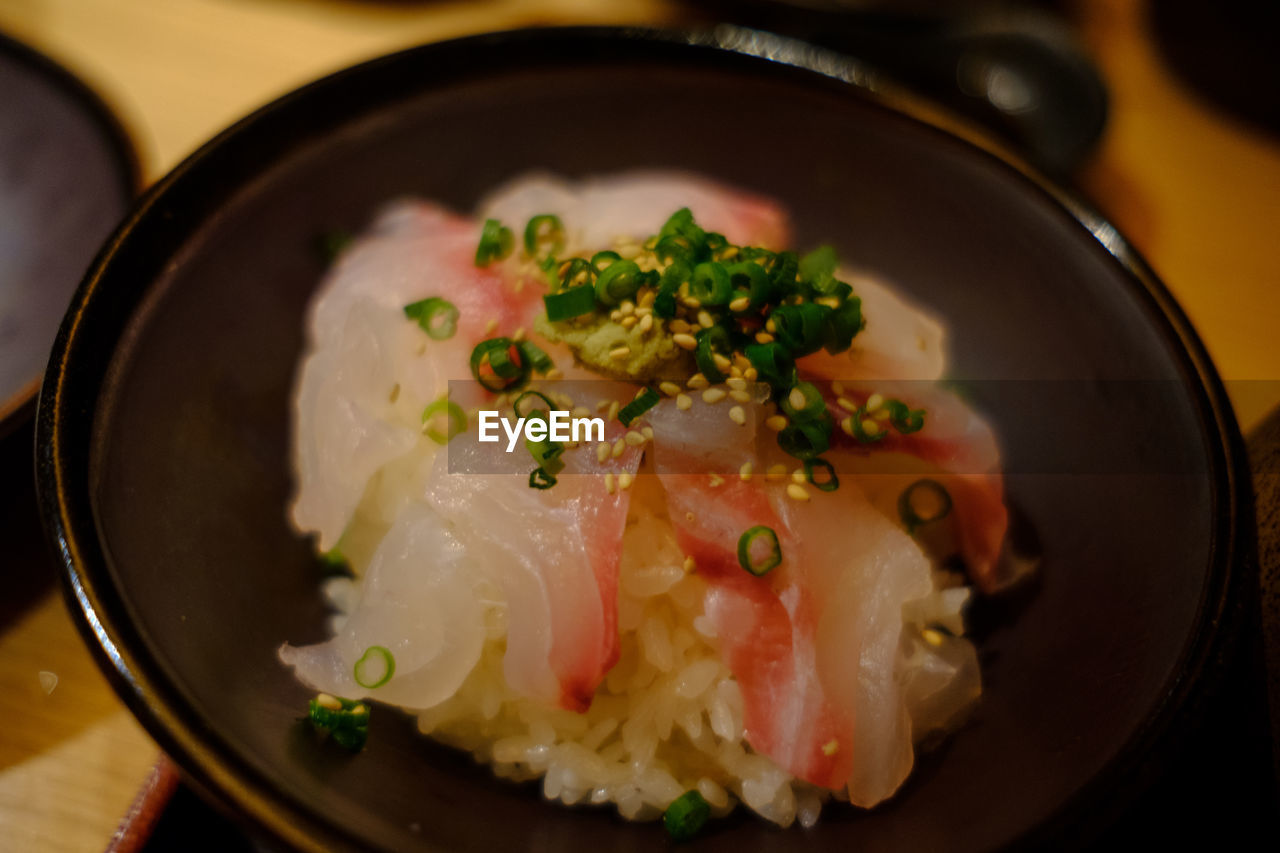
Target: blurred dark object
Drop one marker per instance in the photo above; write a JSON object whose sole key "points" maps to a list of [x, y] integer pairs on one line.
{"points": [[1020, 72], [67, 175], [1229, 52]]}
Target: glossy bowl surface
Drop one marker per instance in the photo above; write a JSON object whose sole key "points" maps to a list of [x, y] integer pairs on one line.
{"points": [[164, 429]]}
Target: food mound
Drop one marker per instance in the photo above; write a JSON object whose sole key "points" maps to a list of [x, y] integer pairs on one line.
{"points": [[746, 588]]}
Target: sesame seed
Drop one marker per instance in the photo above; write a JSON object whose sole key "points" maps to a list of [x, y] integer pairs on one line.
{"points": [[713, 395], [634, 438], [619, 447], [555, 373], [624, 480], [627, 307], [881, 414], [874, 402], [697, 381], [750, 374], [870, 427], [831, 747], [580, 412], [491, 326], [764, 338], [847, 425], [776, 472], [602, 451], [614, 405], [740, 304], [689, 517], [518, 335], [629, 321], [679, 326], [737, 383], [646, 322], [715, 480], [395, 392], [683, 402], [689, 565], [770, 326], [745, 471], [608, 483], [838, 387], [797, 476], [619, 353], [685, 341], [705, 320], [422, 348], [669, 388], [647, 298], [601, 405], [932, 637], [647, 432], [324, 700], [628, 252], [741, 396], [777, 423], [693, 302], [738, 416], [829, 301], [846, 404], [358, 710], [721, 362], [615, 315], [797, 492], [736, 371], [797, 399]]}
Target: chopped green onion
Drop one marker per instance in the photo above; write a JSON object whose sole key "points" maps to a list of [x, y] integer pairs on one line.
{"points": [[773, 364], [805, 440], [676, 274], [859, 431], [545, 451], [618, 281], [830, 483], [437, 317], [746, 543], [523, 413], [820, 261], [710, 284], [496, 243], [922, 502], [345, 720], [644, 401], [750, 277], [375, 667], [686, 816], [534, 356], [785, 267], [710, 342], [575, 268], [801, 328], [335, 562], [600, 257], [541, 480], [570, 303], [455, 417], [504, 373], [544, 231], [843, 324], [904, 419], [811, 405]]}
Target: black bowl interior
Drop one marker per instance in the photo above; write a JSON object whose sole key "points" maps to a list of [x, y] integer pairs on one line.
{"points": [[165, 429]]}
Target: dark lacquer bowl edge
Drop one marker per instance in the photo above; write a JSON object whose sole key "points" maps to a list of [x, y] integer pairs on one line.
{"points": [[63, 468], [17, 408]]}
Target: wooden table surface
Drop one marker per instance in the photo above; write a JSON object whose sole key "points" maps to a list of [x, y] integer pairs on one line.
{"points": [[1196, 190]]}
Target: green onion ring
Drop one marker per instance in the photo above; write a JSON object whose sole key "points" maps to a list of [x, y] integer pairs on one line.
{"points": [[686, 816], [830, 484], [710, 284], [801, 328], [544, 228], [805, 440], [496, 243], [506, 373], [909, 509], [618, 281], [524, 395], [711, 341], [437, 317], [770, 560], [643, 402], [457, 420], [541, 480], [372, 656], [904, 419], [773, 364]]}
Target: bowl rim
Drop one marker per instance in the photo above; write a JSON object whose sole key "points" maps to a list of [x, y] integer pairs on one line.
{"points": [[63, 465], [15, 409]]}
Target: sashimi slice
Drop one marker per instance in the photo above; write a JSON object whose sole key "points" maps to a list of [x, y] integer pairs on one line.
{"points": [[554, 553], [958, 448], [814, 643], [636, 204], [419, 601]]}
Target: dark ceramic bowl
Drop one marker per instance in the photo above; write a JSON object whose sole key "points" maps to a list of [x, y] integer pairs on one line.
{"points": [[164, 431]]}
